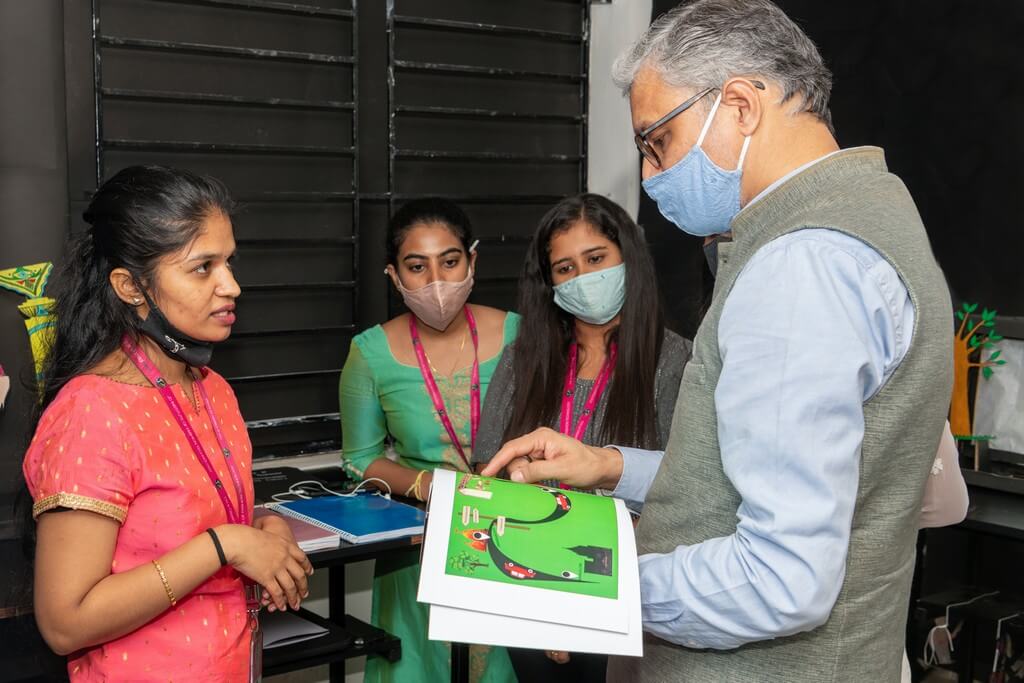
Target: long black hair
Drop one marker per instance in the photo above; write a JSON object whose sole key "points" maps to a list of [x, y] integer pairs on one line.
{"points": [[546, 331], [136, 218]]}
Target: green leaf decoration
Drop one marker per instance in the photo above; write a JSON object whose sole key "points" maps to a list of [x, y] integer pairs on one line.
{"points": [[989, 345], [990, 323], [994, 355], [987, 314], [1000, 362], [994, 337], [970, 307], [973, 341], [959, 315], [986, 371]]}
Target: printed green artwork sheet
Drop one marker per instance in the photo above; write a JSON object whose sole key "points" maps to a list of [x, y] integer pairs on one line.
{"points": [[535, 536]]}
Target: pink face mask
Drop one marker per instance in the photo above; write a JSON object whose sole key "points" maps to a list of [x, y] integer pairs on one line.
{"points": [[438, 303]]}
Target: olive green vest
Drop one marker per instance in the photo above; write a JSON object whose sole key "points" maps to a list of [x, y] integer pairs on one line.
{"points": [[692, 500]]}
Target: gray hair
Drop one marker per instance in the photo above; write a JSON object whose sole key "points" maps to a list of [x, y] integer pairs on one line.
{"points": [[704, 43]]}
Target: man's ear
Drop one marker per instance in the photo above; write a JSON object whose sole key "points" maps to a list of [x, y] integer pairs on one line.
{"points": [[742, 94]]}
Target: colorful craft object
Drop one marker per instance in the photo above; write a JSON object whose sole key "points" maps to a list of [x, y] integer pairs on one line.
{"points": [[30, 281], [974, 337]]}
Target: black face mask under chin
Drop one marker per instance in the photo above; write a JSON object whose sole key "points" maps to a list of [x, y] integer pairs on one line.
{"points": [[711, 256], [173, 341]]}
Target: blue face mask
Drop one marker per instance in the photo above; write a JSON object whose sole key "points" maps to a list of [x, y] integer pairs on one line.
{"points": [[594, 298], [695, 194]]}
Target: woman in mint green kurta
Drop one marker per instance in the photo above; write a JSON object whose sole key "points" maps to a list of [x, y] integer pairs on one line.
{"points": [[386, 410]]}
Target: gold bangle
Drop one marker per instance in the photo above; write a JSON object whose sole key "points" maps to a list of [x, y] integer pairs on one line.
{"points": [[415, 488], [167, 585]]}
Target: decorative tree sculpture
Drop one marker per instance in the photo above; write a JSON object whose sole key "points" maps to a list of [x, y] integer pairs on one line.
{"points": [[971, 342]]}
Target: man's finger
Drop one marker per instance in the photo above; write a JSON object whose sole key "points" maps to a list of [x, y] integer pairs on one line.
{"points": [[530, 472], [530, 445]]}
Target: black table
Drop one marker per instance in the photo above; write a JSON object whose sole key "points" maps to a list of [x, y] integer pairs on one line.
{"points": [[347, 636]]}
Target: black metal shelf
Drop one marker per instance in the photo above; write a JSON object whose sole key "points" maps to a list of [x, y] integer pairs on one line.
{"points": [[279, 242], [223, 50], [507, 239], [269, 6], [489, 114], [351, 638], [298, 197], [223, 99], [293, 420], [226, 147], [497, 280], [492, 29], [487, 156], [489, 198], [494, 72], [285, 286], [297, 374], [293, 331]]}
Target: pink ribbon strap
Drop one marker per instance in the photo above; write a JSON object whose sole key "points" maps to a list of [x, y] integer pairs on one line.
{"points": [[435, 393], [147, 368]]}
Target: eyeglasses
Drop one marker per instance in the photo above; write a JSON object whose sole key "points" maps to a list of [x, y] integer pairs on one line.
{"points": [[641, 138]]}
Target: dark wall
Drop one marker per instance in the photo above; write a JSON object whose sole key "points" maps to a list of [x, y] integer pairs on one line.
{"points": [[939, 85], [33, 224], [33, 192]]}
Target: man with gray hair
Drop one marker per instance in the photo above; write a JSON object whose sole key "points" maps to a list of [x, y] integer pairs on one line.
{"points": [[778, 527]]}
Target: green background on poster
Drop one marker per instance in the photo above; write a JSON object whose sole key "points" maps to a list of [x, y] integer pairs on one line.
{"points": [[581, 541]]}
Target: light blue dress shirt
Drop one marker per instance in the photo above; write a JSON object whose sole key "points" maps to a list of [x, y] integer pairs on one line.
{"points": [[815, 324]]}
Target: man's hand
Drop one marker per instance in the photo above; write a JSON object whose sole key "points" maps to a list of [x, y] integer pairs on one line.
{"points": [[546, 454]]}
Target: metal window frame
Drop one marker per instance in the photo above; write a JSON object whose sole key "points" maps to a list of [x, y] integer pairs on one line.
{"points": [[101, 41]]}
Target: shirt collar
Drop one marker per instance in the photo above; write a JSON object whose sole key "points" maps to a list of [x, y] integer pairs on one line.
{"points": [[763, 193]]}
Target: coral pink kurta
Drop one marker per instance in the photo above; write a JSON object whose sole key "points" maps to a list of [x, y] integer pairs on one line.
{"points": [[116, 450]]}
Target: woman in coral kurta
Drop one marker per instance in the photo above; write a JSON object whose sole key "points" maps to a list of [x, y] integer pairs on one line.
{"points": [[140, 465]]}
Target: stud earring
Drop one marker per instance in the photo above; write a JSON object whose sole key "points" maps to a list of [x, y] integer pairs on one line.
{"points": [[137, 301]]}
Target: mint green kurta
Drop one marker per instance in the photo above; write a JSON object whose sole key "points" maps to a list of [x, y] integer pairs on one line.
{"points": [[383, 400]]}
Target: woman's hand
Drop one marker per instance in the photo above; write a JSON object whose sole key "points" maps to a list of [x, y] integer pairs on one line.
{"points": [[557, 656], [274, 562], [274, 524]]}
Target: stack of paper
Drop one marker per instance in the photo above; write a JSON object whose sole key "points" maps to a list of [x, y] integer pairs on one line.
{"points": [[359, 518], [529, 566], [287, 628]]}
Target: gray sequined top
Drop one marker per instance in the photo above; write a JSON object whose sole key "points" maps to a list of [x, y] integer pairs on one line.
{"points": [[497, 408]]}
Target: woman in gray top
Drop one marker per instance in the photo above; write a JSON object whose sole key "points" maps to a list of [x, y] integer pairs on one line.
{"points": [[592, 358]]}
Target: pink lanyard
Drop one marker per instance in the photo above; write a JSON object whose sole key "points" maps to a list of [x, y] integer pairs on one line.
{"points": [[435, 393], [146, 367], [568, 396]]}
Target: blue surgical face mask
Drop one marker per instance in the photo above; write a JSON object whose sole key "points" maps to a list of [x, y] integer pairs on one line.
{"points": [[695, 194], [594, 298]]}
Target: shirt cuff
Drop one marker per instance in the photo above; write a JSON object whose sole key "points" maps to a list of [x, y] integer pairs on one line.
{"points": [[638, 470]]}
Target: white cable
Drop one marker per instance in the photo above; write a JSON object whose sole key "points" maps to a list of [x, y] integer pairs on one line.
{"points": [[296, 490]]}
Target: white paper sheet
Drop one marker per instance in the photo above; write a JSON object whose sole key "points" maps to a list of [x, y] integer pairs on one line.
{"points": [[468, 626], [999, 409], [285, 628], [438, 588]]}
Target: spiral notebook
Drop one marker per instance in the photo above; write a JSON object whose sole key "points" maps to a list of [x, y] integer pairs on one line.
{"points": [[362, 518]]}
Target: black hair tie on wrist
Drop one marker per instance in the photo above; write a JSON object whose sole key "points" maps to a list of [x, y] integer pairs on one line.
{"points": [[217, 545]]}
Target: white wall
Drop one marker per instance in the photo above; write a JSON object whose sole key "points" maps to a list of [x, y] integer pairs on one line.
{"points": [[613, 167]]}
